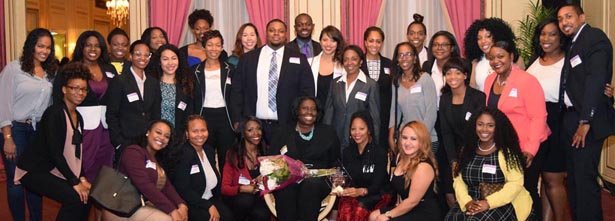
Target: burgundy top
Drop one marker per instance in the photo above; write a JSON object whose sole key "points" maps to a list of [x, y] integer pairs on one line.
{"points": [[99, 87], [141, 169]]}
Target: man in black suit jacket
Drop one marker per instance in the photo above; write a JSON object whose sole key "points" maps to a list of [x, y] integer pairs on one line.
{"points": [[257, 92], [589, 114], [304, 43]]}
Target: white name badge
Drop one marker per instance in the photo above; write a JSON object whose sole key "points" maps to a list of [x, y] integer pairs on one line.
{"points": [[109, 74], [243, 180], [283, 150], [228, 81], [468, 115], [150, 164], [361, 96], [132, 97], [387, 71], [181, 105], [488, 168], [576, 60], [415, 90], [194, 169], [294, 60], [513, 92]]}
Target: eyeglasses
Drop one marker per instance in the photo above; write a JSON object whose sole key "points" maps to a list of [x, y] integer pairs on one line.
{"points": [[405, 55], [76, 89], [142, 55], [443, 46]]}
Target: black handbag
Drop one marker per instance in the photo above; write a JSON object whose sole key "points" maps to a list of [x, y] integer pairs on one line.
{"points": [[114, 192]]}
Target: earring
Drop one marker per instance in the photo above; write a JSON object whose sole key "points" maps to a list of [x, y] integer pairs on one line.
{"points": [[147, 134]]}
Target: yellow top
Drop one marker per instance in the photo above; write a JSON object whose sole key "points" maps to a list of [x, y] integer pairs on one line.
{"points": [[118, 66]]}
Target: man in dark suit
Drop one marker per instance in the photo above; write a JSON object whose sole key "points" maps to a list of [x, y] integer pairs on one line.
{"points": [[588, 114], [269, 79], [304, 43]]}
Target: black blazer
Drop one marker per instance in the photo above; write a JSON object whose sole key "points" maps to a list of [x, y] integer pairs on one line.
{"points": [[295, 80], [453, 135], [323, 150], [128, 120], [385, 81], [47, 148], [91, 99], [316, 48], [191, 186], [226, 73], [585, 82]]}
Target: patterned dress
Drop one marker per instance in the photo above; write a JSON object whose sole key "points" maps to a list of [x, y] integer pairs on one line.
{"points": [[167, 105]]}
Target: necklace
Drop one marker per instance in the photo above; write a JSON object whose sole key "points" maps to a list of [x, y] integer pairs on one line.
{"points": [[488, 149], [305, 137], [500, 82]]}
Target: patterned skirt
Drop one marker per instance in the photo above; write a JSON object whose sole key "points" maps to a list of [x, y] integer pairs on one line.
{"points": [[506, 212]]}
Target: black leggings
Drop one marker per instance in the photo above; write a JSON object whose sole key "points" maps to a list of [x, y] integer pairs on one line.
{"points": [[249, 207]]}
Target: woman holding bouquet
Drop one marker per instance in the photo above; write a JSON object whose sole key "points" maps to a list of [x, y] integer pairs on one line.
{"points": [[414, 178], [366, 164], [240, 172], [318, 147]]}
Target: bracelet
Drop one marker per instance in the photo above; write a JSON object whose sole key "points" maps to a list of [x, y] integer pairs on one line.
{"points": [[8, 136]]}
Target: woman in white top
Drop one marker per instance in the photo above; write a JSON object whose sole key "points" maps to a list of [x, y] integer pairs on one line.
{"points": [[328, 64]]}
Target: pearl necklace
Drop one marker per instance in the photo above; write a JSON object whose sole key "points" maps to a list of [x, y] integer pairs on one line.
{"points": [[305, 137], [488, 149]]}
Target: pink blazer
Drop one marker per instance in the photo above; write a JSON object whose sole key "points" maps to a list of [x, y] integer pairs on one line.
{"points": [[523, 102]]}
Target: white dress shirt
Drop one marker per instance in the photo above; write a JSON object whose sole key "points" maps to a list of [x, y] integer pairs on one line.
{"points": [[262, 81]]}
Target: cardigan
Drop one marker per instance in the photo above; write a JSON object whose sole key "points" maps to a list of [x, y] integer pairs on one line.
{"points": [[230, 176], [512, 192]]}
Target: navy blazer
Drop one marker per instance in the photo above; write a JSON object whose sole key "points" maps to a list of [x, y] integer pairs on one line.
{"points": [[295, 80], [584, 83], [226, 74], [454, 135], [385, 82], [191, 186], [128, 120]]}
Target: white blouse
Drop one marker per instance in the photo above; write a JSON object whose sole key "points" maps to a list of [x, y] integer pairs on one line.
{"points": [[549, 78]]}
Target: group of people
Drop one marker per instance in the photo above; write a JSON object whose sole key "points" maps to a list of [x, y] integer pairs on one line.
{"points": [[426, 135]]}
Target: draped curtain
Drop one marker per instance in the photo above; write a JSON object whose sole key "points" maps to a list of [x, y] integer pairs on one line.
{"points": [[262, 11], [170, 16], [358, 15], [462, 13]]}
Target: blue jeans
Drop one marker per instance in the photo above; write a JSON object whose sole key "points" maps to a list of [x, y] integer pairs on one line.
{"points": [[16, 194]]}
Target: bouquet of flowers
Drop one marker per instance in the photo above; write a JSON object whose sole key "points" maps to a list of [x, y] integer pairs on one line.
{"points": [[280, 171]]}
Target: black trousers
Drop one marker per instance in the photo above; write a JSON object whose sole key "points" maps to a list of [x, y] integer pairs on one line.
{"points": [[59, 190], [248, 207], [221, 135], [582, 167], [301, 201], [199, 213]]}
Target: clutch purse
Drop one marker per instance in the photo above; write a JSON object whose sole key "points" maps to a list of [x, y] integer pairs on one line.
{"points": [[487, 189], [114, 191]]}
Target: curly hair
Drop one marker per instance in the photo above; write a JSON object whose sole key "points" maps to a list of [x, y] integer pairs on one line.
{"points": [[182, 76], [397, 71], [505, 138], [238, 151], [212, 34], [424, 154], [74, 70], [200, 14], [538, 52], [147, 36], [238, 50], [335, 34], [26, 60], [499, 29], [82, 41]]}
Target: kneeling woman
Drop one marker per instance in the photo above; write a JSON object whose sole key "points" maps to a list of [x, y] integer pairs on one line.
{"points": [[413, 179], [51, 166], [489, 180], [366, 164], [196, 177]]}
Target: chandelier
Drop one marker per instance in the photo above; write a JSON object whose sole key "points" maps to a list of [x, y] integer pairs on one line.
{"points": [[118, 11]]}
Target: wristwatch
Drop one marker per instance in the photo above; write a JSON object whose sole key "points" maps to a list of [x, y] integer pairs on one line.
{"points": [[388, 214], [582, 122]]}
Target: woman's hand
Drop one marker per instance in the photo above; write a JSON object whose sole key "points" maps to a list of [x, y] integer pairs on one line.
{"points": [[475, 207], [382, 217], [85, 182], [354, 192], [248, 188], [82, 191], [176, 216], [183, 211], [213, 214], [608, 90], [528, 159], [10, 149]]}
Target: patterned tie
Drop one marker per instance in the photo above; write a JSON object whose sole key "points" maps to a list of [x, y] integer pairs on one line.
{"points": [[273, 82]]}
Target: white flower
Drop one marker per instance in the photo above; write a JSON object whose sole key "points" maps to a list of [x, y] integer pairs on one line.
{"points": [[267, 167], [272, 184]]}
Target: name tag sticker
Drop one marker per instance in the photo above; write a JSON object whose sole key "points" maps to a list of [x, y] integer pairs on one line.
{"points": [[361, 96], [488, 168], [132, 97], [387, 71], [150, 164], [576, 60], [294, 60], [468, 115], [283, 150], [181, 105], [243, 180], [194, 169], [415, 90], [109, 74], [228, 80], [513, 92]]}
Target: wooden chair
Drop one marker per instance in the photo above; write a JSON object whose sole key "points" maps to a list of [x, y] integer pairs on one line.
{"points": [[325, 207]]}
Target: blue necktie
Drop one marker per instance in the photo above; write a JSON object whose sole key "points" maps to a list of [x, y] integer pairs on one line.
{"points": [[273, 82]]}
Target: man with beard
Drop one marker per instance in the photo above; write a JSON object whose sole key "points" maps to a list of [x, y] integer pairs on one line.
{"points": [[304, 43]]}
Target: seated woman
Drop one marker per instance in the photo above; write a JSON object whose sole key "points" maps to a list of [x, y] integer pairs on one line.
{"points": [[51, 166], [414, 178], [241, 169], [196, 176], [489, 179], [141, 164], [317, 146], [366, 164]]}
